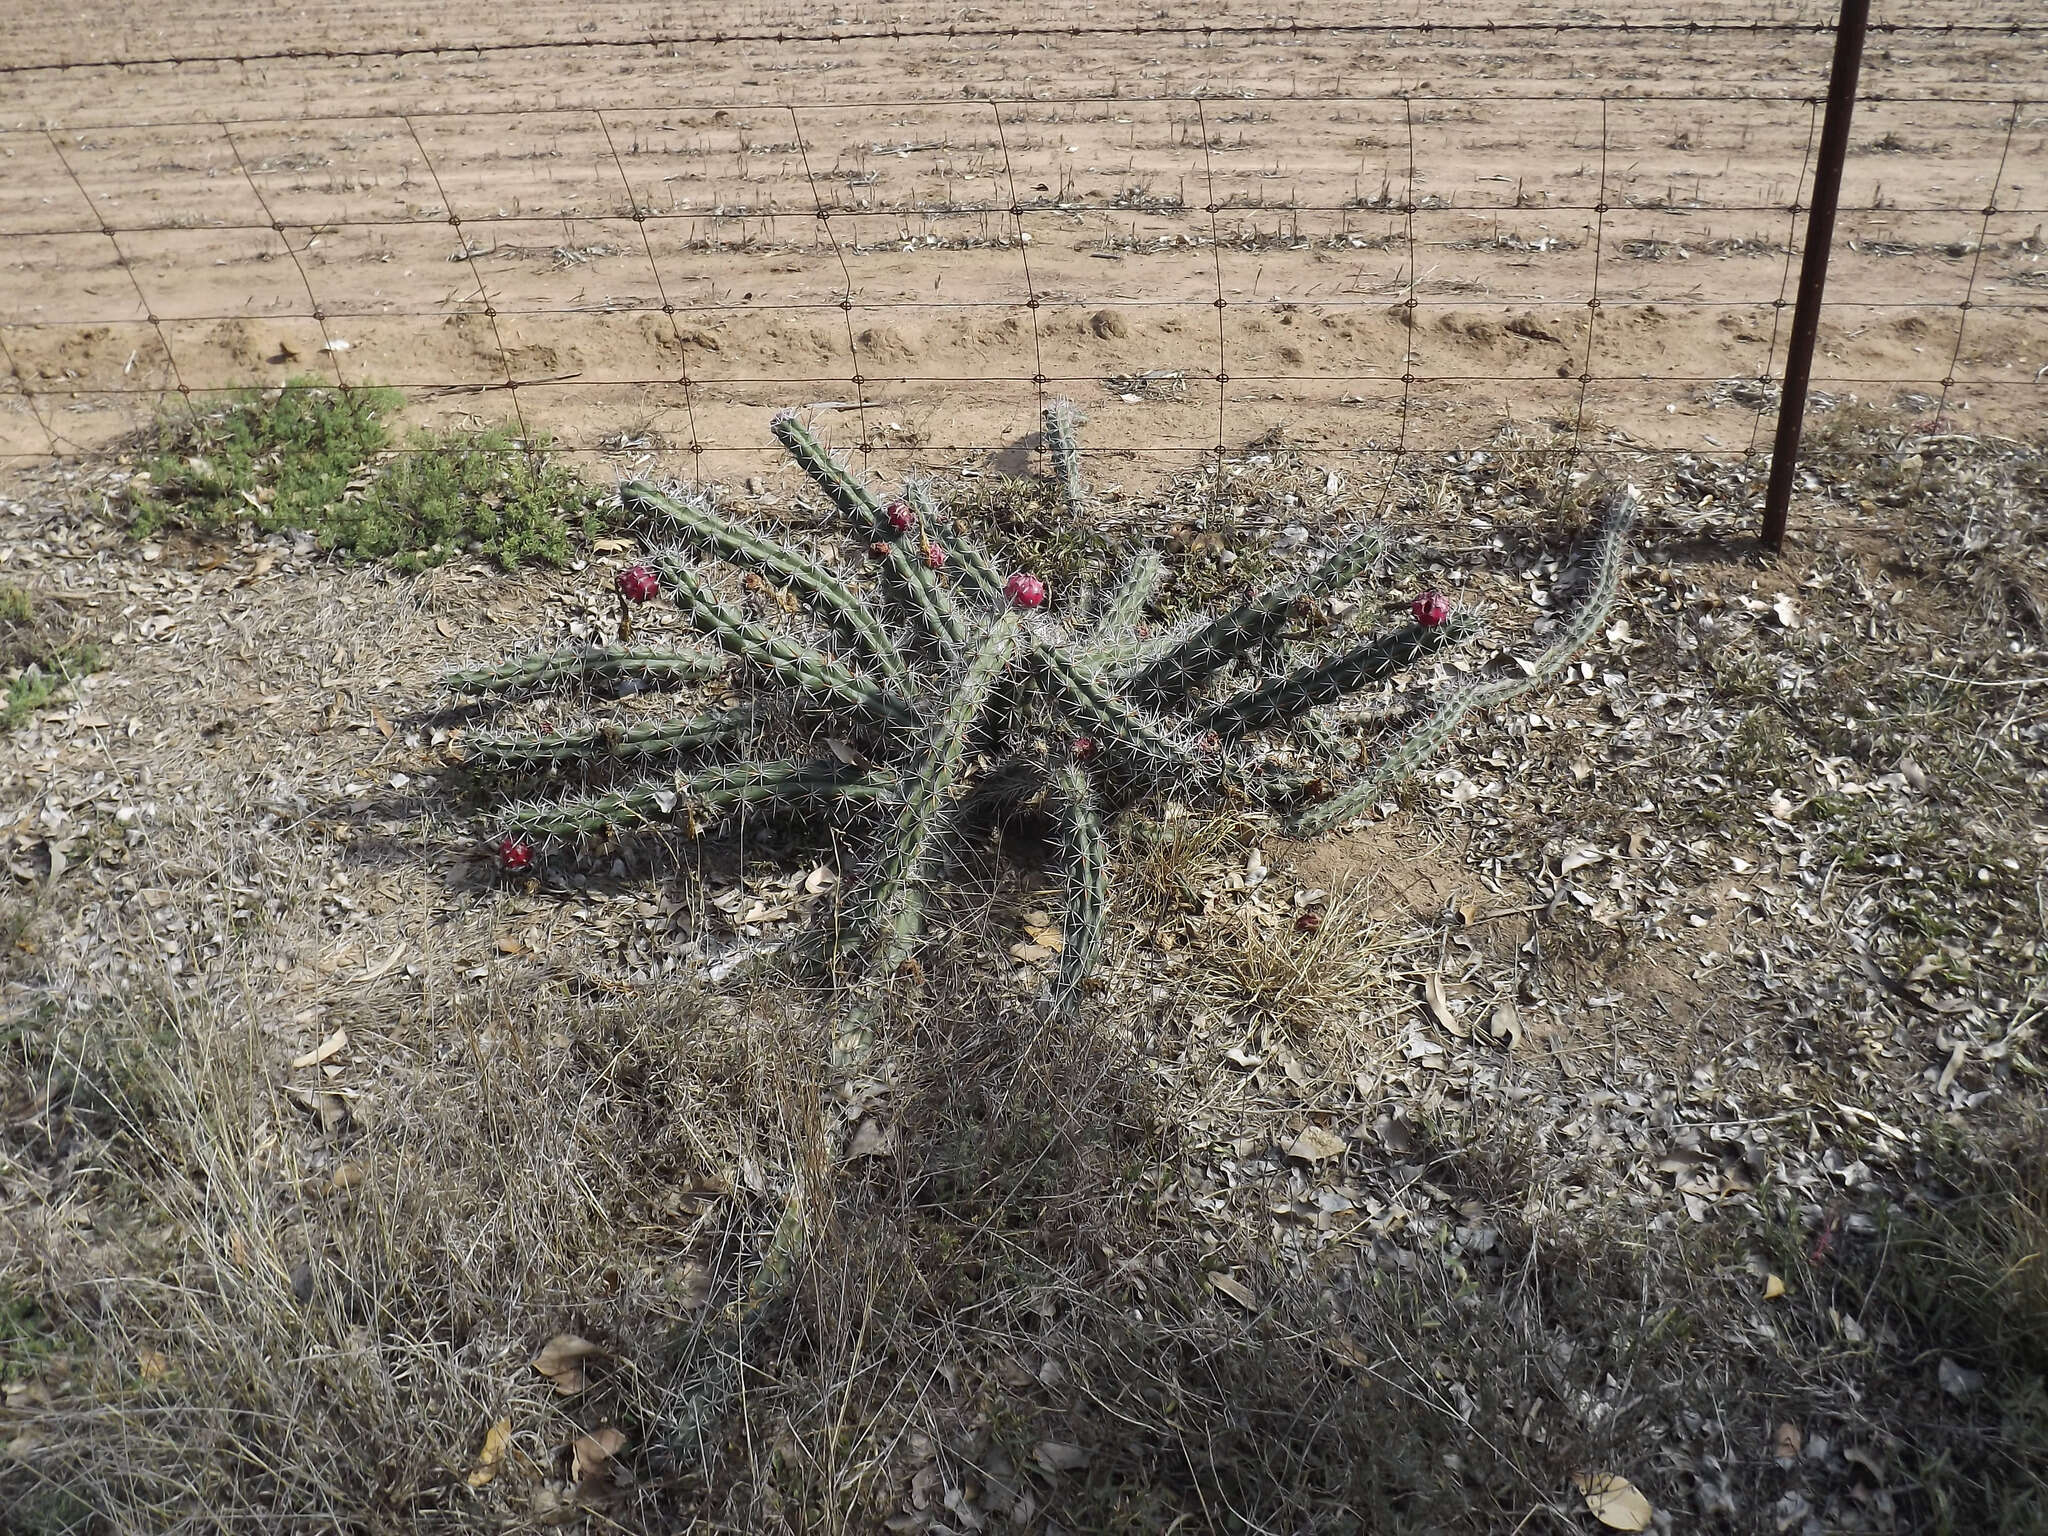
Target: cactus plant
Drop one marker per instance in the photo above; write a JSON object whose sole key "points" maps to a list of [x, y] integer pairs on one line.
{"points": [[942, 685]]}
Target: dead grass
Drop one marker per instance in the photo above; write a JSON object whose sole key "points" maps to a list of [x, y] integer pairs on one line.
{"points": [[1297, 971], [1015, 1274]]}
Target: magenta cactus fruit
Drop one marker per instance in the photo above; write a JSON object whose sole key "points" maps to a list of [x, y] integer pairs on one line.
{"points": [[1430, 609], [515, 855], [638, 584], [1025, 590], [934, 557], [899, 516], [1084, 748]]}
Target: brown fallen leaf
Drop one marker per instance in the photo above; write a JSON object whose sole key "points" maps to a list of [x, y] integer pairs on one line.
{"points": [[1785, 1444], [1060, 1456], [872, 1139], [441, 628], [332, 1110], [593, 1452], [1614, 1501], [1440, 1005], [1235, 1289], [1507, 1025], [346, 1178], [1316, 1145], [326, 1050], [496, 1440], [377, 719], [561, 1361]]}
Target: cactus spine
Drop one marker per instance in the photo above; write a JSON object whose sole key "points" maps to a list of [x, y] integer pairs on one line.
{"points": [[707, 531], [969, 692], [597, 664], [793, 666], [1435, 729], [1063, 446], [889, 910], [1254, 626], [1086, 872]]}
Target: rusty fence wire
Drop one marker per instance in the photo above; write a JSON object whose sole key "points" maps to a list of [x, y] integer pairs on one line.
{"points": [[1366, 276]]}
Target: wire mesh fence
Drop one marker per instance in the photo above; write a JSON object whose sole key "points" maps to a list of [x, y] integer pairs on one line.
{"points": [[1367, 274]]}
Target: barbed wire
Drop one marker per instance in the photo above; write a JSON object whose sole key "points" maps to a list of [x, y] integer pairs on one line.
{"points": [[1992, 92], [827, 207], [954, 32]]}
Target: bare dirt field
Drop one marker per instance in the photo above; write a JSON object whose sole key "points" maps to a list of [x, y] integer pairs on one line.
{"points": [[1412, 237], [1632, 1121]]}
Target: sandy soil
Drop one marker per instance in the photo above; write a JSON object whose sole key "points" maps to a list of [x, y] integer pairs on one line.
{"points": [[621, 245]]}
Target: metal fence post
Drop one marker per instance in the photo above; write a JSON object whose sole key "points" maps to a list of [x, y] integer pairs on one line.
{"points": [[1813, 265]]}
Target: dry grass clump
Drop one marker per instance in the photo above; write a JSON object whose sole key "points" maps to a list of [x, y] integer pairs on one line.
{"points": [[316, 1316], [1292, 970], [1007, 1273]]}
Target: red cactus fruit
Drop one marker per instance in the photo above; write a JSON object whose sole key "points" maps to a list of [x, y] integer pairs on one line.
{"points": [[1026, 591], [934, 557], [1430, 609], [899, 516], [638, 584], [514, 854], [1084, 748], [1309, 921]]}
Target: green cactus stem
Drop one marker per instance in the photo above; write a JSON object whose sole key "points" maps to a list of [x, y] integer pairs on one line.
{"points": [[1063, 446], [603, 743], [793, 666], [1137, 742], [962, 554], [848, 494], [1284, 698], [1124, 605], [1086, 873], [1252, 627], [597, 664], [888, 911], [705, 530], [696, 800]]}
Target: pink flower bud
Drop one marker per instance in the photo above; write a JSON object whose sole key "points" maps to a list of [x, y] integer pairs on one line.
{"points": [[1430, 609], [934, 557], [637, 584], [1025, 591]]}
